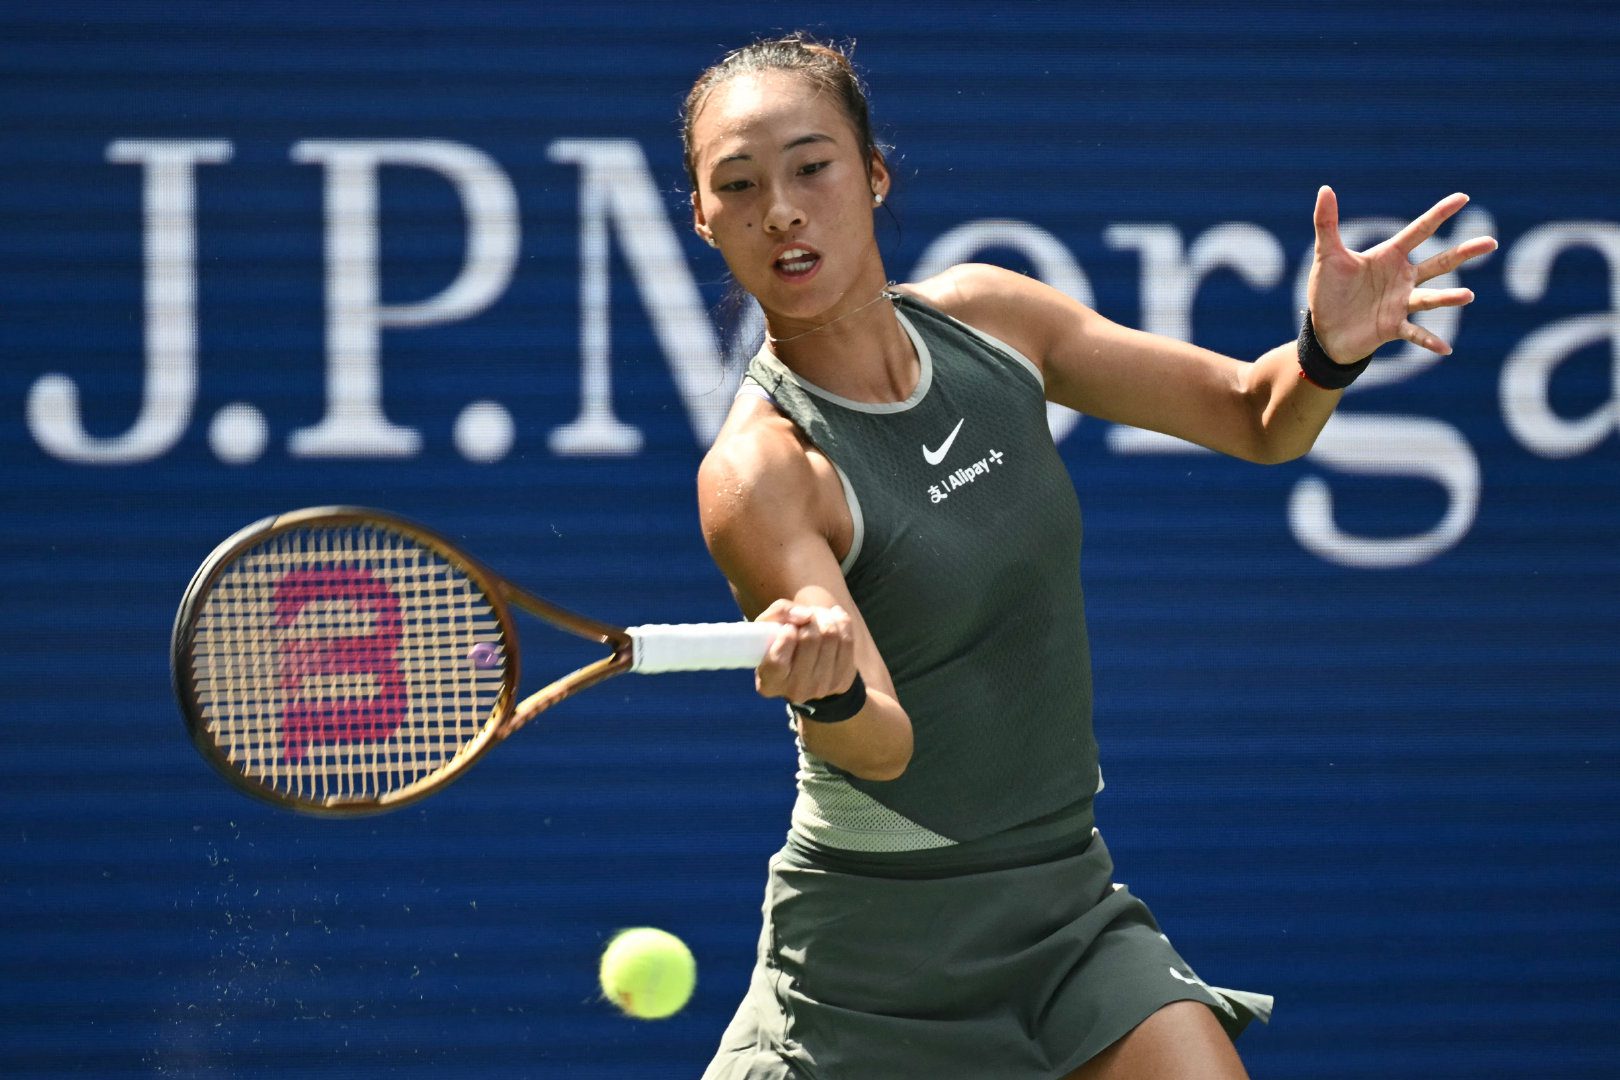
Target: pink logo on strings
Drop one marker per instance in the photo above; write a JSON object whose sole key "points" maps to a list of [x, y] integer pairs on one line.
{"points": [[307, 719]]}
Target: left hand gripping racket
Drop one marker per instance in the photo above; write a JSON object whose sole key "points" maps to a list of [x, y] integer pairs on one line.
{"points": [[343, 661]]}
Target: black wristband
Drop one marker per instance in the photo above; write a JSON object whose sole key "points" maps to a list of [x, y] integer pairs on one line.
{"points": [[1320, 368], [833, 708]]}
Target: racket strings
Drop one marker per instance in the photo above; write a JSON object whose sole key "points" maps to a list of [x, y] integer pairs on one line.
{"points": [[342, 663]]}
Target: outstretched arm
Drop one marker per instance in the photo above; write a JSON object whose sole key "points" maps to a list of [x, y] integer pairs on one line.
{"points": [[1262, 411]]}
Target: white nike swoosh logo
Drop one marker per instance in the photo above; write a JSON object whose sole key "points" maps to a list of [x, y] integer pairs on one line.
{"points": [[934, 457]]}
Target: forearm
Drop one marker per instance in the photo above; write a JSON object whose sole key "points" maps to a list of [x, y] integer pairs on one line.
{"points": [[818, 662], [874, 744], [1290, 411]]}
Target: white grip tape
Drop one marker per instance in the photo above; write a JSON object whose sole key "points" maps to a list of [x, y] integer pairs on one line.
{"points": [[700, 646]]}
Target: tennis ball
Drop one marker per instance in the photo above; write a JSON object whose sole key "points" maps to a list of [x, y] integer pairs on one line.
{"points": [[649, 973]]}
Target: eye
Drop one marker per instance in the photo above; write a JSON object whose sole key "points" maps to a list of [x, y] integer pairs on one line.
{"points": [[813, 167], [735, 185]]}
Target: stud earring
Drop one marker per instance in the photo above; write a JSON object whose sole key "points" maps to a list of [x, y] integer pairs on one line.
{"points": [[877, 198], [709, 239]]}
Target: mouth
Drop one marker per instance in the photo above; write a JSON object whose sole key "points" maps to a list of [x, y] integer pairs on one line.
{"points": [[796, 263]]}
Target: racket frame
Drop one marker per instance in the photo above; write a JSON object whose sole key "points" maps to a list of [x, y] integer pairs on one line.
{"points": [[505, 717]]}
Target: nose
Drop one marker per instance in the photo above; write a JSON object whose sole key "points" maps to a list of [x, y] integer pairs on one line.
{"points": [[781, 215]]}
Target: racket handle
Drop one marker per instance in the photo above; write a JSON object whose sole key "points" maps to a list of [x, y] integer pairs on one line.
{"points": [[700, 646]]}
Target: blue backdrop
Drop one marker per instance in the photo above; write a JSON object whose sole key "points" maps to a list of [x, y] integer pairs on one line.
{"points": [[1357, 711]]}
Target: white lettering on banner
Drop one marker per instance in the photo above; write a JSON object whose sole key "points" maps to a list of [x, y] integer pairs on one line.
{"points": [[354, 424], [615, 183], [1386, 446], [1527, 373], [1170, 279], [1052, 261], [620, 203], [169, 390]]}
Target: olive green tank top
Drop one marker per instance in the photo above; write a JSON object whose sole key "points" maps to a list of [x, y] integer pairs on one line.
{"points": [[965, 565]]}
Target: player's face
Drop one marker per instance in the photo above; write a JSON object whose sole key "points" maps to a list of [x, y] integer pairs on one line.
{"points": [[784, 189]]}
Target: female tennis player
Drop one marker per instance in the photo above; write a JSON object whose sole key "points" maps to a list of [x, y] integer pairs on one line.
{"points": [[886, 485]]}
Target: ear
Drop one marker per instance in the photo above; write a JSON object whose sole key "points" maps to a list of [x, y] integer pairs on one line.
{"points": [[700, 224], [878, 172]]}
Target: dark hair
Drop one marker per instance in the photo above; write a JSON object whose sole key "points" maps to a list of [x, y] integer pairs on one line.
{"points": [[827, 67]]}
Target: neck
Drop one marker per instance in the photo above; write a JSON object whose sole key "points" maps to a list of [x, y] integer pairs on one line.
{"points": [[819, 327], [863, 353]]}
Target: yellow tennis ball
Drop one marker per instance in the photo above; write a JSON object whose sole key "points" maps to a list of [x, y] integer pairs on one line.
{"points": [[649, 973]]}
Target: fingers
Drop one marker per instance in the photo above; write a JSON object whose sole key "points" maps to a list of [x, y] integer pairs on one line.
{"points": [[1355, 290], [815, 658], [785, 612], [1417, 335], [1449, 260], [1327, 222], [1429, 299], [834, 652], [779, 655], [1424, 227]]}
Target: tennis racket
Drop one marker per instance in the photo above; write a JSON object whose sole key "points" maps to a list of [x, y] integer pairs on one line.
{"points": [[341, 661]]}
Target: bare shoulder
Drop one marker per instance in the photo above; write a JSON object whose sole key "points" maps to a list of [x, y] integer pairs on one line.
{"points": [[766, 497], [967, 288], [758, 464], [1023, 311]]}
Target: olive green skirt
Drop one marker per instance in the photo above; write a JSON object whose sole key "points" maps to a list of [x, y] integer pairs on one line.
{"points": [[1019, 973]]}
